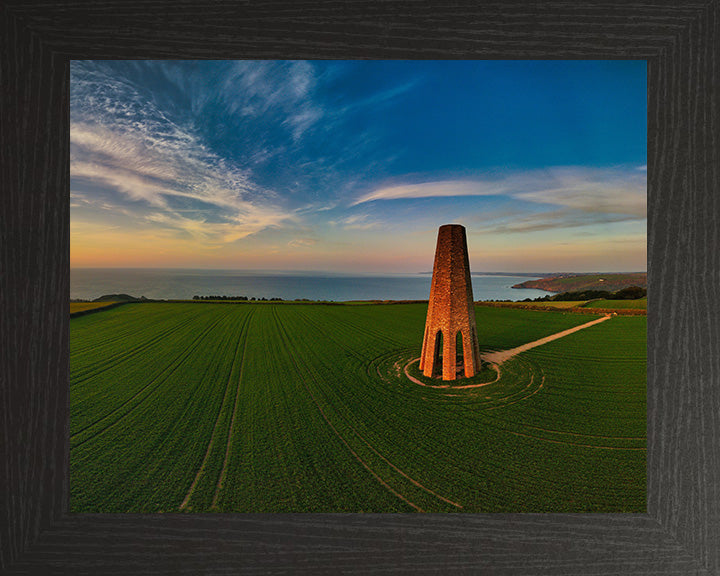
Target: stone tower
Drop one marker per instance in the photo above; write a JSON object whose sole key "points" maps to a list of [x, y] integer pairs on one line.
{"points": [[450, 311]]}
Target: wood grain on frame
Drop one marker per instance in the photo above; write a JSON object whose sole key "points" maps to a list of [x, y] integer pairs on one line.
{"points": [[680, 534]]}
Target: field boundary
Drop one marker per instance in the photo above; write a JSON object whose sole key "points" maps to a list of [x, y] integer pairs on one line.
{"points": [[108, 306], [569, 310]]}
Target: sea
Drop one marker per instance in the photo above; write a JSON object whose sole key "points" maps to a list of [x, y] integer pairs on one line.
{"points": [[182, 284]]}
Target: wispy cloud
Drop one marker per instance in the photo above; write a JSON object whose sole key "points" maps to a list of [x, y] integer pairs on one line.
{"points": [[610, 191], [152, 166], [551, 221], [381, 97], [590, 190], [356, 222], [433, 190], [302, 242], [254, 89]]}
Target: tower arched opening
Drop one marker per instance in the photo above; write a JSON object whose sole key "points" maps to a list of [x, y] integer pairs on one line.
{"points": [[459, 354], [437, 369]]}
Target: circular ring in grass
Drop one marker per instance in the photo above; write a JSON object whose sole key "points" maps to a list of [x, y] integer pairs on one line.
{"points": [[492, 387]]}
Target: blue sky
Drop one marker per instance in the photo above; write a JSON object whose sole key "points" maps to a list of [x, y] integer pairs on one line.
{"points": [[352, 166]]}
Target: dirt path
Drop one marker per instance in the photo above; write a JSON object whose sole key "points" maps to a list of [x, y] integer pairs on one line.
{"points": [[499, 357]]}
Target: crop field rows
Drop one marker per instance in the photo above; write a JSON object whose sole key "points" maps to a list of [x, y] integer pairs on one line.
{"points": [[291, 408]]}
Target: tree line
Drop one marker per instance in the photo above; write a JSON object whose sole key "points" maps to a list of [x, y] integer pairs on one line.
{"points": [[629, 293], [238, 298]]}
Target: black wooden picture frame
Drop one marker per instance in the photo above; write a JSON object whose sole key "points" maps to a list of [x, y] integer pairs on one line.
{"points": [[679, 534]]}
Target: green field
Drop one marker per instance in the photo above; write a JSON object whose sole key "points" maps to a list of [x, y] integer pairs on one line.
{"points": [[639, 304], [291, 408]]}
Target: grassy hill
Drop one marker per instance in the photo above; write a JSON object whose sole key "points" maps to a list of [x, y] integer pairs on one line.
{"points": [[578, 282]]}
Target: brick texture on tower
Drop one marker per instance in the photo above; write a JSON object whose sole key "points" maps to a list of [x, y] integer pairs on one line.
{"points": [[450, 311]]}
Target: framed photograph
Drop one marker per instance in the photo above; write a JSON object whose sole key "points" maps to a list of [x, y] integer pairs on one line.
{"points": [[100, 165], [252, 246]]}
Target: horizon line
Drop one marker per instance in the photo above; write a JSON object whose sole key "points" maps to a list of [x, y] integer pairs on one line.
{"points": [[287, 270]]}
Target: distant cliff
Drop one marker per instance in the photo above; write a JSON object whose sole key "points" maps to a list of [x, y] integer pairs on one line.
{"points": [[576, 282]]}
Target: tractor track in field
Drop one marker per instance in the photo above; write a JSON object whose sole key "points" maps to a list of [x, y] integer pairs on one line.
{"points": [[158, 381], [340, 436], [231, 428], [244, 331], [118, 335], [128, 331], [366, 442], [121, 357], [357, 327], [586, 435], [542, 439], [520, 396], [516, 400], [428, 490]]}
